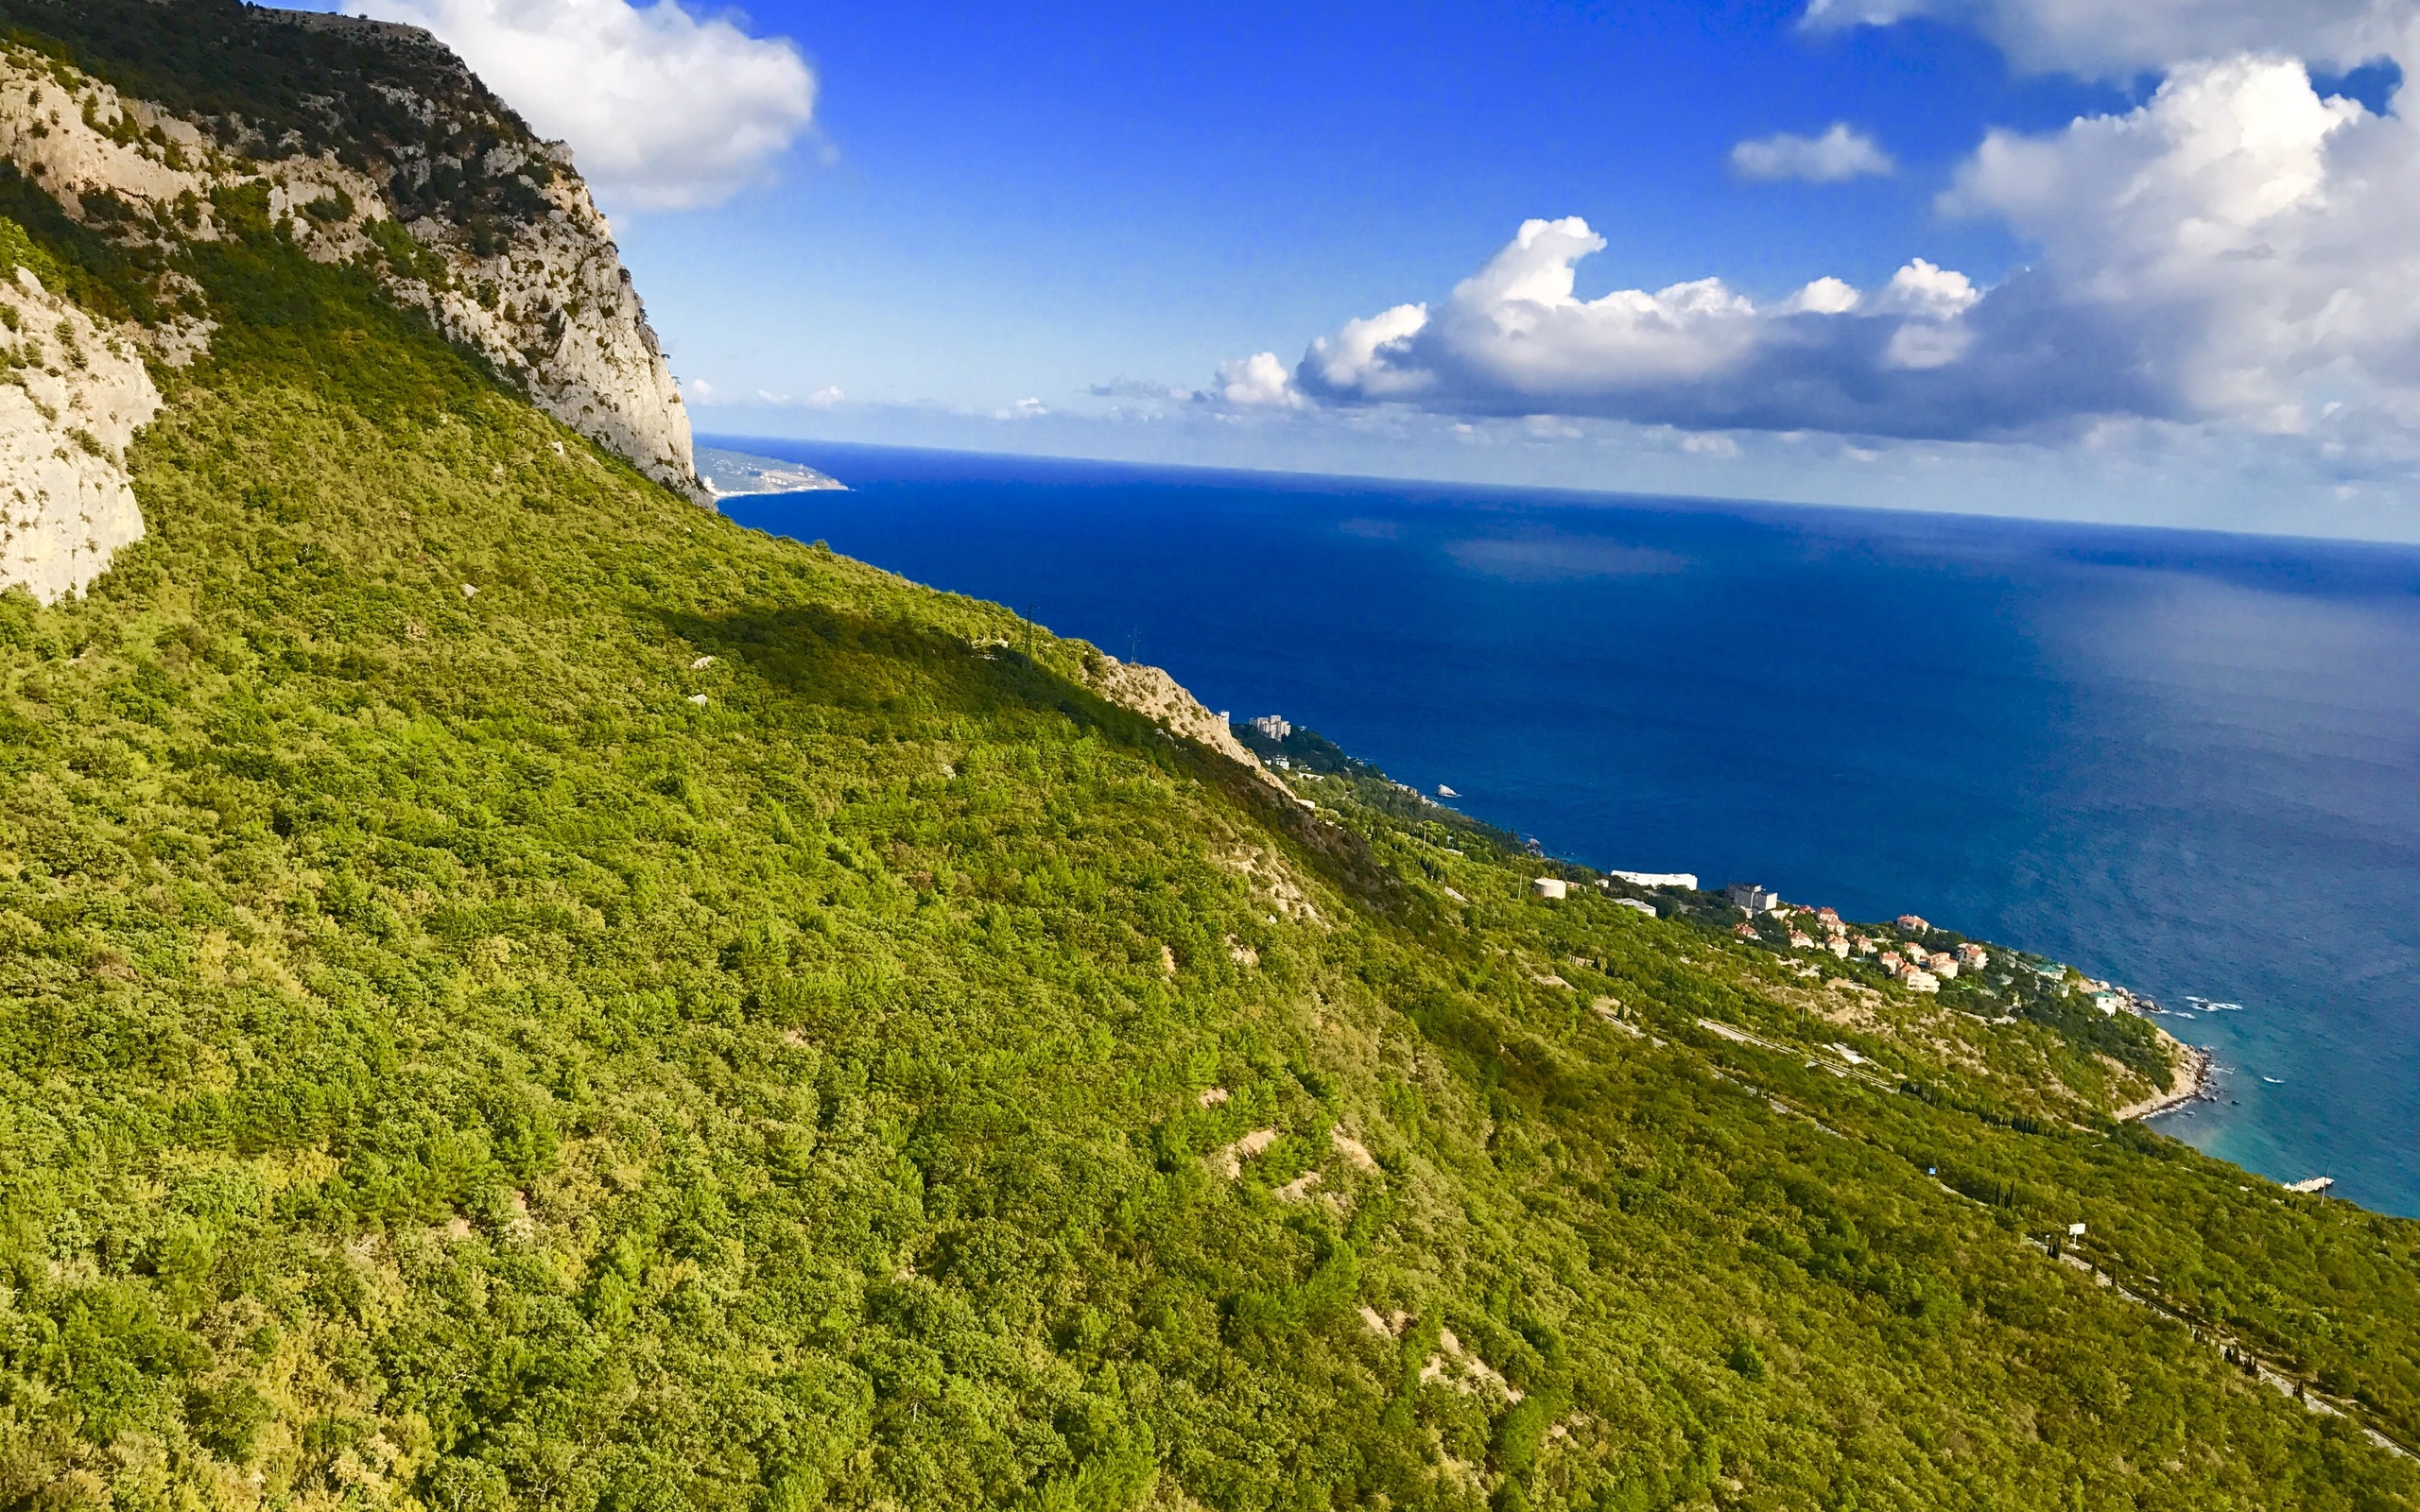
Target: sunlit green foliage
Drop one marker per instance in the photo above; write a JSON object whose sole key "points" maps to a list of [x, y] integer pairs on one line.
{"points": [[517, 992]]}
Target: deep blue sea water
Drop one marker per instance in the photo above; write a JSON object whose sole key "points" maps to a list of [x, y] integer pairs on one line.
{"points": [[2190, 763]]}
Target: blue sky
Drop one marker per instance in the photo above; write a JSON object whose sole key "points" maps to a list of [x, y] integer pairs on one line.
{"points": [[1024, 203], [1051, 228]]}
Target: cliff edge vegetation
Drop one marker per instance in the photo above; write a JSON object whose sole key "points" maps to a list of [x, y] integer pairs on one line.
{"points": [[145, 125], [518, 992]]}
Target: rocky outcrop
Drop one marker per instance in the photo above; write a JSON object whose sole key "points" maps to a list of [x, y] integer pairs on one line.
{"points": [[72, 396], [438, 187], [555, 308], [530, 274], [1150, 692], [63, 130]]}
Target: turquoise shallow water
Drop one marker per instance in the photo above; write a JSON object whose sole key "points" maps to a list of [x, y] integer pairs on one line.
{"points": [[2190, 763]]}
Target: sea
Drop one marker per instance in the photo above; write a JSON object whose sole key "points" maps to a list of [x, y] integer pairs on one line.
{"points": [[2185, 762]]}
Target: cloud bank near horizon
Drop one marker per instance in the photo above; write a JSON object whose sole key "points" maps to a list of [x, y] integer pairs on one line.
{"points": [[664, 110], [2119, 41], [2232, 257]]}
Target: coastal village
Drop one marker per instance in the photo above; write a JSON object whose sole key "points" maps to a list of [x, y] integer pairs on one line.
{"points": [[1910, 950], [1906, 957], [1988, 983]]}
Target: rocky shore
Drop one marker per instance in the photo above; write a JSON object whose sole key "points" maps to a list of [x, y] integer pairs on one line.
{"points": [[2190, 1084]]}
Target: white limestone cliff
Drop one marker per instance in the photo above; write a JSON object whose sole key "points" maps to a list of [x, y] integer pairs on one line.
{"points": [[72, 395], [552, 305], [555, 308], [541, 293]]}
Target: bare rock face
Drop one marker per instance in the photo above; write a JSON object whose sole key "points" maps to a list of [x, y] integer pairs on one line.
{"points": [[525, 267], [72, 396], [1150, 692], [555, 308], [436, 187], [56, 126]]}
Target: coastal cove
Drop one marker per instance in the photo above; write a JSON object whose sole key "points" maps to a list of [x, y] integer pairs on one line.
{"points": [[2181, 761]]}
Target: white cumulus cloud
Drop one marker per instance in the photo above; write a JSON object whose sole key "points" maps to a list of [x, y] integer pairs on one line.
{"points": [[1516, 338], [2248, 238], [1922, 289], [1839, 153], [1824, 296], [1353, 358], [1515, 325], [2230, 258], [1257, 382], [663, 110]]}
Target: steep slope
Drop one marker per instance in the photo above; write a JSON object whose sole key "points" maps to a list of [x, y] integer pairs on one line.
{"points": [[517, 992]]}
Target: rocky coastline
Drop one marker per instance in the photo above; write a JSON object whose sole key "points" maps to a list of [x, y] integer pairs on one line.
{"points": [[2192, 1083]]}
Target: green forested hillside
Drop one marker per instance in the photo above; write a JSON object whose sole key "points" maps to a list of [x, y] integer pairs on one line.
{"points": [[517, 992]]}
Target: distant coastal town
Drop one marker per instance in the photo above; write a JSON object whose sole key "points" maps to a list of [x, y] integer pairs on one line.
{"points": [[1921, 957], [1990, 983]]}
